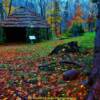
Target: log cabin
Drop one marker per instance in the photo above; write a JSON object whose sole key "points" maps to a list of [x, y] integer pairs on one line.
{"points": [[21, 24]]}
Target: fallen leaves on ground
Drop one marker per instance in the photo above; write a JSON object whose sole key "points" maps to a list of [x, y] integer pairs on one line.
{"points": [[21, 77]]}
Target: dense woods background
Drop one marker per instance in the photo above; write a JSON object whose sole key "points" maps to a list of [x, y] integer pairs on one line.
{"points": [[62, 15]]}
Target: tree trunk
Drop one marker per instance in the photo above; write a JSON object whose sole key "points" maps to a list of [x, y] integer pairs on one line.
{"points": [[94, 78], [42, 6], [1, 12], [10, 7]]}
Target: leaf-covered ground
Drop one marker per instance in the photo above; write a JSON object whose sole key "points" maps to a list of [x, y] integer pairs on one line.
{"points": [[22, 78]]}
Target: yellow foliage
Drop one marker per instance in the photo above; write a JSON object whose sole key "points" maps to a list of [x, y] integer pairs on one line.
{"points": [[49, 12], [12, 10], [6, 3], [51, 19], [6, 6]]}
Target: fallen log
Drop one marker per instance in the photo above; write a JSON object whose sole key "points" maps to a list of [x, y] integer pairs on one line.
{"points": [[66, 48], [70, 62]]}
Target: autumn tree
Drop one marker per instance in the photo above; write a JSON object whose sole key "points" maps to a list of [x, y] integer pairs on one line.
{"points": [[54, 18], [78, 15], [77, 22]]}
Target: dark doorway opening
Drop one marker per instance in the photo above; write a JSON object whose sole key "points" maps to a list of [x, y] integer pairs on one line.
{"points": [[15, 35]]}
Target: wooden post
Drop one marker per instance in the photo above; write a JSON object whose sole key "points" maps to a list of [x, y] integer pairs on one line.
{"points": [[47, 32]]}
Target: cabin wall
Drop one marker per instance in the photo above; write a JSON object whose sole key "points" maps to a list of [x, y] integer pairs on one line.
{"points": [[2, 36], [40, 33], [21, 35]]}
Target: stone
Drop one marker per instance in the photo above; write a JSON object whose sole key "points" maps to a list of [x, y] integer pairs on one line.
{"points": [[70, 75], [43, 92]]}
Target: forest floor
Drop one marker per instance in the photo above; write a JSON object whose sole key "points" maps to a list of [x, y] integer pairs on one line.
{"points": [[22, 78]]}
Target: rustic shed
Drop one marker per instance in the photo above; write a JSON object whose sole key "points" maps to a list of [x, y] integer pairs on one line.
{"points": [[22, 23]]}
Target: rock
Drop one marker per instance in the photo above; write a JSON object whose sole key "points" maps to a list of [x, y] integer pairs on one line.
{"points": [[70, 75], [85, 83], [43, 92]]}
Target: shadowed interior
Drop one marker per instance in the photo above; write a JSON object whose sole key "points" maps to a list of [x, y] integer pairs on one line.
{"points": [[15, 35]]}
